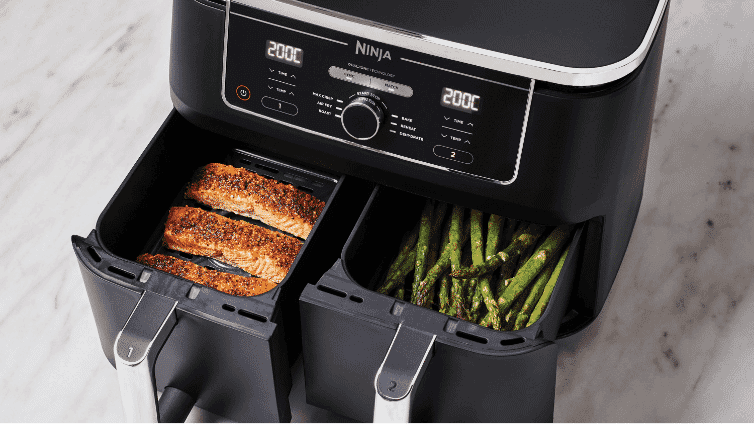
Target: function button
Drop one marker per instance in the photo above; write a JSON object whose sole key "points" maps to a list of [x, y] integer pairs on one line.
{"points": [[243, 92], [392, 87], [453, 154], [279, 106], [349, 76]]}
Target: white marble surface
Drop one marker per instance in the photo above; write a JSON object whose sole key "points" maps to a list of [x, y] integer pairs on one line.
{"points": [[84, 86]]}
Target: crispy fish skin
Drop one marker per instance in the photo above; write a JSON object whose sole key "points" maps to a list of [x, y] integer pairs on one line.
{"points": [[246, 193], [258, 251], [236, 285]]}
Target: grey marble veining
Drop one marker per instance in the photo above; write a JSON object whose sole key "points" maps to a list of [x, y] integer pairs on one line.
{"points": [[84, 86]]}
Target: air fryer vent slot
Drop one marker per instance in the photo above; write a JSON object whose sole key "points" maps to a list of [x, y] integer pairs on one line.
{"points": [[472, 337], [331, 290], [514, 341], [356, 299], [93, 253], [122, 273], [230, 308], [260, 166], [306, 189], [251, 315]]}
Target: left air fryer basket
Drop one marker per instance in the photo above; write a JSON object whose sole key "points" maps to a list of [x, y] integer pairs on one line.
{"points": [[230, 355]]}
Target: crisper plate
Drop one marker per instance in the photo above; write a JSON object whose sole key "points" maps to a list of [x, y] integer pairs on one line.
{"points": [[319, 185]]}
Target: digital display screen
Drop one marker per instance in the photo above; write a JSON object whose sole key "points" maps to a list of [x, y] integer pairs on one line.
{"points": [[461, 100], [284, 53]]}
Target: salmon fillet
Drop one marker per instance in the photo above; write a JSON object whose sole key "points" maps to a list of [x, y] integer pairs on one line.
{"points": [[258, 251], [243, 192], [236, 285]]}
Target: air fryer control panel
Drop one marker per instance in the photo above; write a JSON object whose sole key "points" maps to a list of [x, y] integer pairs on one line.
{"points": [[390, 100]]}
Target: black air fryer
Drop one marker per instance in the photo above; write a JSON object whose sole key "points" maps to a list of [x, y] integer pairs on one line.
{"points": [[539, 111]]}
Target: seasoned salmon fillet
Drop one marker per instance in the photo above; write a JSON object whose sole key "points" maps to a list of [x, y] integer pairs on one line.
{"points": [[243, 192], [236, 285], [258, 251]]}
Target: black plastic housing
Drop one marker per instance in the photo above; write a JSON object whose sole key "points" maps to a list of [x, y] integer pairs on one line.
{"points": [[477, 374], [583, 160], [232, 354]]}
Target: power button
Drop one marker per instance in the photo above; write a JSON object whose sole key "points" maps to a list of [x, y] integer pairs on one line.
{"points": [[243, 92]]}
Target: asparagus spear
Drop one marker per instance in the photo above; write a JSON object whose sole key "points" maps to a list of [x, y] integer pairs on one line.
{"points": [[477, 244], [399, 275], [510, 316], [539, 309], [534, 295], [436, 234], [508, 232], [526, 239], [556, 240], [468, 286], [455, 258], [487, 320], [400, 293], [408, 243], [422, 244], [442, 264], [478, 258], [444, 299], [494, 227], [493, 239], [434, 244], [508, 269], [524, 257]]}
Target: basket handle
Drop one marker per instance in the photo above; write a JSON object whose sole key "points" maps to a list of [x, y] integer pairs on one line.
{"points": [[136, 348], [400, 373]]}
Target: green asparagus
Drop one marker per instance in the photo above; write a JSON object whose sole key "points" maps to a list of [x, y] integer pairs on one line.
{"points": [[455, 259], [422, 244], [526, 239], [444, 296], [442, 264], [400, 293], [399, 275], [493, 240], [554, 242], [539, 309], [531, 300]]}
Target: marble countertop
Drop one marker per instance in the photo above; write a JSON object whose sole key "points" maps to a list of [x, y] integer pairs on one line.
{"points": [[84, 86]]}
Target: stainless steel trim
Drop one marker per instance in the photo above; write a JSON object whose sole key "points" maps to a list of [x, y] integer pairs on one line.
{"points": [[291, 29], [398, 410], [136, 374], [411, 160], [533, 69], [376, 117], [523, 132]]}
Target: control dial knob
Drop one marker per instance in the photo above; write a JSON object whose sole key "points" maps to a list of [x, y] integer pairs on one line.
{"points": [[362, 118]]}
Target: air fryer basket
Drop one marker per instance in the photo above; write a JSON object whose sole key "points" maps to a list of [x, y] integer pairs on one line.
{"points": [[231, 354], [475, 374]]}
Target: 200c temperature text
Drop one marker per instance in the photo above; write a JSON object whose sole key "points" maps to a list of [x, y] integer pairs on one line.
{"points": [[285, 53], [460, 100]]}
